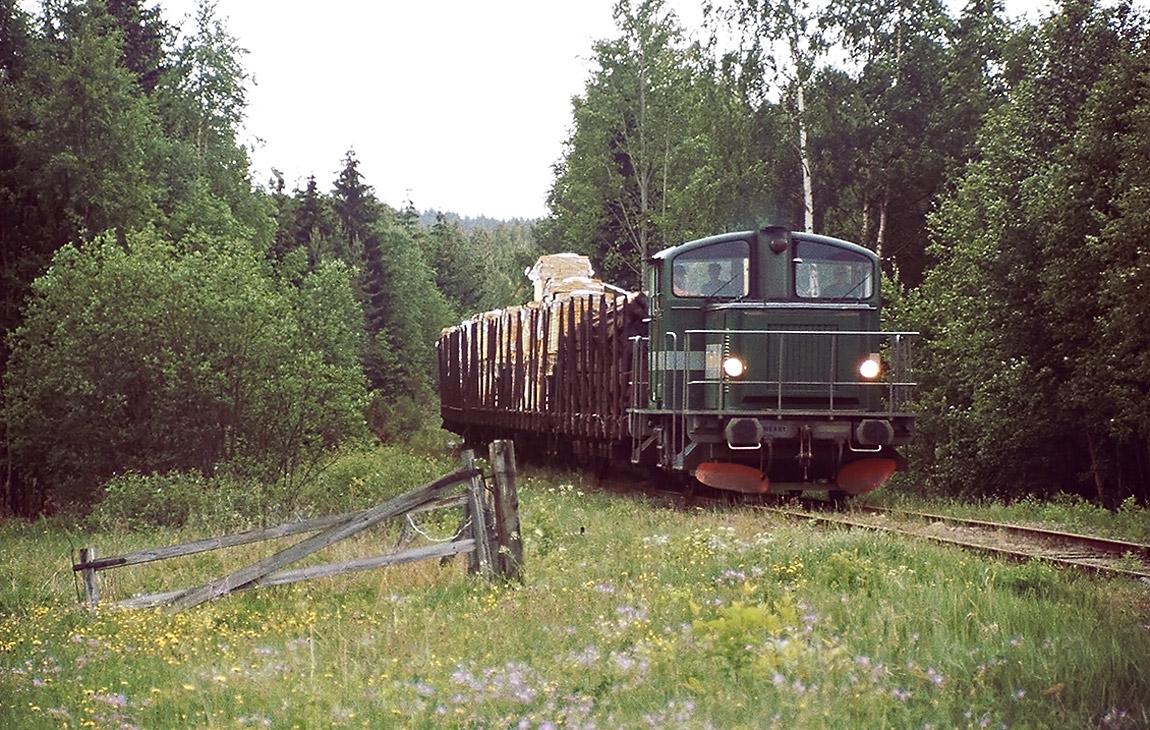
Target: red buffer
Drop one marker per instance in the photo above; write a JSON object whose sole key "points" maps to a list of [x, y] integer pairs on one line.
{"points": [[860, 477], [735, 477]]}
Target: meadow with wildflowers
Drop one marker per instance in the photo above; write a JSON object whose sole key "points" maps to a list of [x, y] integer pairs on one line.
{"points": [[631, 616]]}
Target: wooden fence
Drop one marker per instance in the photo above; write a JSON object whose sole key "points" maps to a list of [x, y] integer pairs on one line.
{"points": [[489, 536]]}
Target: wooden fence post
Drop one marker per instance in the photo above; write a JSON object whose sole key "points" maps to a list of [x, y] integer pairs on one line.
{"points": [[91, 587], [480, 560], [508, 540]]}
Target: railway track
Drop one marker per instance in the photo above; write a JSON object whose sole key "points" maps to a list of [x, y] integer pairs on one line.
{"points": [[1096, 555], [1088, 553]]}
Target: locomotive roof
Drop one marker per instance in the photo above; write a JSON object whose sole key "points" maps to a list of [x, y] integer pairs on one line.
{"points": [[746, 235]]}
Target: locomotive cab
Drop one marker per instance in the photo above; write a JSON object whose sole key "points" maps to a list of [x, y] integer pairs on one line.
{"points": [[767, 367]]}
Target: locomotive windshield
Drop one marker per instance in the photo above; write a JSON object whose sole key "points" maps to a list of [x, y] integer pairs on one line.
{"points": [[828, 272], [719, 270]]}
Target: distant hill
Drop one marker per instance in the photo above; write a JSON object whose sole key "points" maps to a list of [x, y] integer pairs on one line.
{"points": [[427, 219]]}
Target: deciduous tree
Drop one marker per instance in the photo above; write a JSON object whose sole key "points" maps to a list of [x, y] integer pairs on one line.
{"points": [[609, 192], [151, 358], [1028, 305]]}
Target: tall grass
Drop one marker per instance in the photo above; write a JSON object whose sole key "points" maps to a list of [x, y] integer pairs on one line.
{"points": [[631, 616], [1064, 512]]}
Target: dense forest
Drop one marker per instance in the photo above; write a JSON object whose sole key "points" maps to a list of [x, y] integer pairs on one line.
{"points": [[163, 313]]}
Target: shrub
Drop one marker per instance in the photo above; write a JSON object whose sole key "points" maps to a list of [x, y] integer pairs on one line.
{"points": [[175, 499], [153, 358]]}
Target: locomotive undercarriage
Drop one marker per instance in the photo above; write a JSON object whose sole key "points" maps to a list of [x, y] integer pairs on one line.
{"points": [[750, 453], [760, 453]]}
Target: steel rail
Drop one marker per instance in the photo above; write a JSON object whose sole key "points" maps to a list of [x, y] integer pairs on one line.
{"points": [[1091, 562], [1117, 548], [1087, 553], [1096, 555]]}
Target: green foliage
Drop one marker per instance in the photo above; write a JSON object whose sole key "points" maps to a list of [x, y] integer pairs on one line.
{"points": [[111, 122], [1064, 511], [138, 502], [393, 417], [609, 196], [410, 282], [87, 150], [405, 314], [76, 134], [363, 477], [890, 134], [201, 99], [103, 128], [1033, 578], [154, 359], [352, 478], [674, 141], [479, 270], [740, 631], [846, 570], [1025, 373]]}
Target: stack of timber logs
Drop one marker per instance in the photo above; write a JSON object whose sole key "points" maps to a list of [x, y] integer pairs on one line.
{"points": [[559, 366]]}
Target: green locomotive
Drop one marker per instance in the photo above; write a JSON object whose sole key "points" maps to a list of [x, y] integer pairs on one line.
{"points": [[752, 362]]}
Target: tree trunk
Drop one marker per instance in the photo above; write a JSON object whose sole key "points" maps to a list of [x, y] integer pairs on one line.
{"points": [[6, 502], [867, 217], [1096, 468], [643, 168], [805, 159], [884, 204]]}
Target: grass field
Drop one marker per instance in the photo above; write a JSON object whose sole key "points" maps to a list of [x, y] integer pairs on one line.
{"points": [[631, 616]]}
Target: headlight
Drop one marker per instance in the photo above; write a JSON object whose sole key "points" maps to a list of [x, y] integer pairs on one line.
{"points": [[733, 367], [870, 368]]}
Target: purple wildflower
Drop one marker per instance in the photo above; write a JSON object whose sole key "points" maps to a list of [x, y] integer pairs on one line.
{"points": [[116, 700]]}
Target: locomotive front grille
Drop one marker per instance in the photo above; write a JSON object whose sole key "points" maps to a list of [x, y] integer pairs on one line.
{"points": [[801, 365], [791, 370]]}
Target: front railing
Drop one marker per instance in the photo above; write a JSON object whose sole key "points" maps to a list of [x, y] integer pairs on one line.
{"points": [[791, 371], [794, 373]]}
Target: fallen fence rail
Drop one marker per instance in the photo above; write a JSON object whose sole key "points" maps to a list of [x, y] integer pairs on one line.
{"points": [[489, 535]]}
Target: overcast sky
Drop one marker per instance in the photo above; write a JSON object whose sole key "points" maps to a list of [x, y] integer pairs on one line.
{"points": [[457, 105]]}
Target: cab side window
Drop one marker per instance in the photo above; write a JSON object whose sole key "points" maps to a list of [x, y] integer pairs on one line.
{"points": [[721, 270], [831, 273]]}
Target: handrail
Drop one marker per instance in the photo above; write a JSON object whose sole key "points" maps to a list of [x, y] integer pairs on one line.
{"points": [[897, 346]]}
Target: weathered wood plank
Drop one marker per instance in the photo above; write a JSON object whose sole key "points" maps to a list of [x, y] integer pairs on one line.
{"points": [[480, 528], [467, 461], [570, 405], [358, 523], [585, 352], [479, 560], [508, 539], [472, 376], [283, 577], [214, 543], [489, 364], [547, 369], [520, 373], [288, 529], [608, 365]]}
